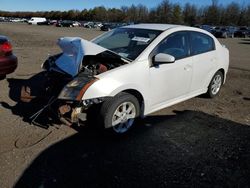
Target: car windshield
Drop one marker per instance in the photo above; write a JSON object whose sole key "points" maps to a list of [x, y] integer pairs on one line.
{"points": [[127, 42]]}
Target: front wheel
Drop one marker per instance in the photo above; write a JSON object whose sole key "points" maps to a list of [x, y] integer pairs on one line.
{"points": [[120, 112], [215, 84]]}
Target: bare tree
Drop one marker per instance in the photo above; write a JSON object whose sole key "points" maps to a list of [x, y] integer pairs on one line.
{"points": [[212, 15], [142, 13], [177, 15], [165, 12], [232, 14], [190, 14]]}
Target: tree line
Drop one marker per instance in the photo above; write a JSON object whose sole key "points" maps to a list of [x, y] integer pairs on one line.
{"points": [[165, 12]]}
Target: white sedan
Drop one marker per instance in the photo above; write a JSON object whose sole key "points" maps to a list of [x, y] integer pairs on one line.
{"points": [[139, 69]]}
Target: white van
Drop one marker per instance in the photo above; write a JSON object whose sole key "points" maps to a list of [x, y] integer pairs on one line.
{"points": [[35, 20]]}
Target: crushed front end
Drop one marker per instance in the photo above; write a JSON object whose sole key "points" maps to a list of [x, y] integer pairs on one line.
{"points": [[68, 75], [71, 108]]}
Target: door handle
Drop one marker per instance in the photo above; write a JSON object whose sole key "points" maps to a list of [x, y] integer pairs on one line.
{"points": [[187, 67]]}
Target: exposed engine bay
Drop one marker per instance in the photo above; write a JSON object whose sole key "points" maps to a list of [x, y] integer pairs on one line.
{"points": [[69, 74], [91, 64], [101, 63]]}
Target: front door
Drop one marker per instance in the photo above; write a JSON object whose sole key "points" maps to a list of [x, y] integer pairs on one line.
{"points": [[171, 81]]}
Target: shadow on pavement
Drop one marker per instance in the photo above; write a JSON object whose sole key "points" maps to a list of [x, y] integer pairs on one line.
{"points": [[248, 39], [189, 149], [245, 41], [26, 110]]}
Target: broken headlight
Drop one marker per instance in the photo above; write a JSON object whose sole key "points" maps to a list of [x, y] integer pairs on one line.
{"points": [[75, 89], [88, 102]]}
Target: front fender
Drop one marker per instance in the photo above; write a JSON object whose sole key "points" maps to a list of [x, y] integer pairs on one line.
{"points": [[108, 87]]}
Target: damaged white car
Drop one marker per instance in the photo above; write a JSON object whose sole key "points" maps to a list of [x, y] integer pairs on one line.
{"points": [[133, 71]]}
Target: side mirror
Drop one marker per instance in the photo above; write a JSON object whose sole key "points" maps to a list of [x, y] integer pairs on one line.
{"points": [[162, 58]]}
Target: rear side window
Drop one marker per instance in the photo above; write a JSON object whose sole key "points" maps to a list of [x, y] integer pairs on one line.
{"points": [[201, 43]]}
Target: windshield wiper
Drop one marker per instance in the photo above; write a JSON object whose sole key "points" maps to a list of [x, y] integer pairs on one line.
{"points": [[125, 59]]}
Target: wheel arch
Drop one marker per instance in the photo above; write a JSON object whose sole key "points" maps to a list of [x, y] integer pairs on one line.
{"points": [[139, 97], [223, 74], [222, 70]]}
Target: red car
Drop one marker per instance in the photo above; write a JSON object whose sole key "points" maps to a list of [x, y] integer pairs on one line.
{"points": [[8, 61]]}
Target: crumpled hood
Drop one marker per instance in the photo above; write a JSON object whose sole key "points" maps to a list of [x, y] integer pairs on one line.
{"points": [[74, 49]]}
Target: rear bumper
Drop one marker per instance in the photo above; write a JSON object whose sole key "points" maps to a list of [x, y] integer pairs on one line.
{"points": [[8, 64]]}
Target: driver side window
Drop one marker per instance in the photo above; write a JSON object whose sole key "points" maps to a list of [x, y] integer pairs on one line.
{"points": [[175, 44]]}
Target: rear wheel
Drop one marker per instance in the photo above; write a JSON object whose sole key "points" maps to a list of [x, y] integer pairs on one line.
{"points": [[215, 85], [120, 112]]}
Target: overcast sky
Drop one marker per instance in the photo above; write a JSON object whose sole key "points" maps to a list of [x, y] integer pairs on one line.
{"points": [[47, 5]]}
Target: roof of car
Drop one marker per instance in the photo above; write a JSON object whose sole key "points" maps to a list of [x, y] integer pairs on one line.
{"points": [[161, 27]]}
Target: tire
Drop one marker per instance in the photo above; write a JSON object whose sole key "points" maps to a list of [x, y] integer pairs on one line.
{"points": [[215, 85], [120, 112]]}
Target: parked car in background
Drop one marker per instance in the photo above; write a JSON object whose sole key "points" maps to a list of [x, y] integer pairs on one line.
{"points": [[48, 22], [36, 20], [44, 23], [76, 24], [108, 27], [8, 61], [64, 23], [2, 19], [89, 25], [98, 25], [135, 70], [53, 22], [68, 23], [208, 28], [223, 32], [16, 20], [242, 32]]}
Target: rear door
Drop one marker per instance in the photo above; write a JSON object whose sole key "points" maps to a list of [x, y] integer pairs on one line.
{"points": [[204, 59]]}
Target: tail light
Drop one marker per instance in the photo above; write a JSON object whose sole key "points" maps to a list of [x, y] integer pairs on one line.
{"points": [[6, 48]]}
